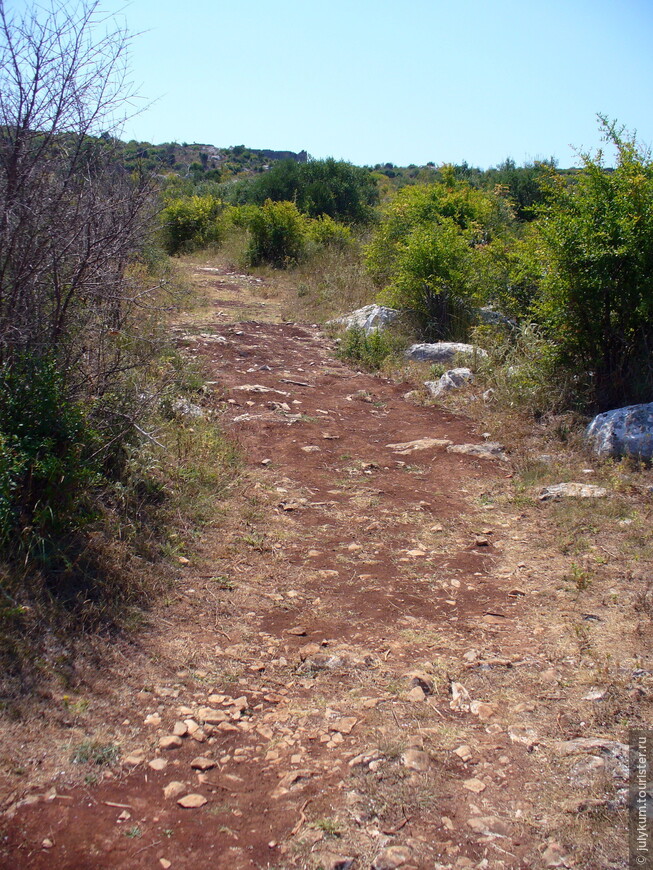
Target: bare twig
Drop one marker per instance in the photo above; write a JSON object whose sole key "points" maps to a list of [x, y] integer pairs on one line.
{"points": [[302, 818], [149, 846]]}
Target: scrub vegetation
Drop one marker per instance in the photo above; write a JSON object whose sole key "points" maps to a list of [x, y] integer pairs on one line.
{"points": [[95, 455]]}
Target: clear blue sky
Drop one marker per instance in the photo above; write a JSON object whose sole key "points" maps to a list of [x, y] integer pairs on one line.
{"points": [[376, 82]]}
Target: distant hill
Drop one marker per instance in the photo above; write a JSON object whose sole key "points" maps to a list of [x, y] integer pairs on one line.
{"points": [[205, 162]]}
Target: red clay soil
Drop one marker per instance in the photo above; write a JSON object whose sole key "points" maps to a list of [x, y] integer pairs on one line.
{"points": [[349, 585]]}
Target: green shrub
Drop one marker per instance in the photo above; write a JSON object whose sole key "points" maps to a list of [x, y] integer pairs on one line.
{"points": [[319, 187], [371, 350], [433, 279], [324, 232], [277, 235], [240, 216], [48, 460], [431, 254], [596, 244], [190, 223]]}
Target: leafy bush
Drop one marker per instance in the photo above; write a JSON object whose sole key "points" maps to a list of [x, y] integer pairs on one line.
{"points": [[432, 252], [277, 235], [370, 350], [325, 232], [330, 187], [240, 216], [432, 278], [190, 223], [47, 460], [596, 245]]}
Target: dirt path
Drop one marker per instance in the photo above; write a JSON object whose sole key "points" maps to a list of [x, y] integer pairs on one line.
{"points": [[355, 666]]}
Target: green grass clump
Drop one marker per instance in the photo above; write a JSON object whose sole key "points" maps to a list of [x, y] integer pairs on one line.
{"points": [[95, 752], [370, 351]]}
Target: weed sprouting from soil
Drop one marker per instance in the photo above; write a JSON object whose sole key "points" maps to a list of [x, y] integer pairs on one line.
{"points": [[95, 752]]}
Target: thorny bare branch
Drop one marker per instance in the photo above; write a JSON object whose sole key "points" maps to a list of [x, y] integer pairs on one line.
{"points": [[71, 216]]}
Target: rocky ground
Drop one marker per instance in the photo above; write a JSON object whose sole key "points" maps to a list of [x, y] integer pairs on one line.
{"points": [[378, 656]]}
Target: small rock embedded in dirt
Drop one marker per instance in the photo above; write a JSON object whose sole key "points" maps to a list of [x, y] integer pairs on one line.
{"points": [[585, 771], [343, 726], [173, 789], [418, 678], [192, 801], [614, 753], [170, 741], [180, 729], [322, 661], [297, 631], [572, 490], [415, 759], [158, 764], [391, 858], [420, 444], [311, 448], [416, 694], [309, 649], [153, 719], [475, 785], [259, 388], [489, 450], [134, 759], [212, 717], [202, 763], [595, 694], [488, 825], [47, 843], [494, 619], [523, 734], [165, 863], [366, 759], [463, 752], [484, 711], [290, 779]]}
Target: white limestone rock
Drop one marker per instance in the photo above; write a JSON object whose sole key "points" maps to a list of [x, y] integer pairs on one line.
{"points": [[454, 379], [623, 432], [442, 351], [370, 318]]}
